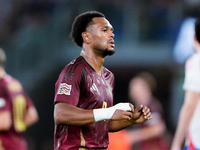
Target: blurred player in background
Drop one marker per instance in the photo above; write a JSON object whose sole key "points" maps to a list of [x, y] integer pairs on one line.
{"points": [[151, 135], [83, 110], [17, 111], [189, 118]]}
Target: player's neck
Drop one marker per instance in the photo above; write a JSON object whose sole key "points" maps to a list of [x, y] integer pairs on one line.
{"points": [[197, 49], [94, 60]]}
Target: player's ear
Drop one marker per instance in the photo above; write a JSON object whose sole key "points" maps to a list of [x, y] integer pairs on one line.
{"points": [[86, 37]]}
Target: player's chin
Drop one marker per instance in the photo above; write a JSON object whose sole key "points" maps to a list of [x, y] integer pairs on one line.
{"points": [[109, 52]]}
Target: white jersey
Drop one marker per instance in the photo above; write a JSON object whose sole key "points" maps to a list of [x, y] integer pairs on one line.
{"points": [[192, 83]]}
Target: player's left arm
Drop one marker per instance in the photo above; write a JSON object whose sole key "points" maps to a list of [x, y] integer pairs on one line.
{"points": [[186, 113], [31, 116], [140, 115]]}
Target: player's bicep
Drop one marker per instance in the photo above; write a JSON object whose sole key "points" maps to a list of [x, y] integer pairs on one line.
{"points": [[61, 112], [71, 115]]}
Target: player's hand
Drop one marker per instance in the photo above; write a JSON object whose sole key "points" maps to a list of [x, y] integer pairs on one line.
{"points": [[141, 114], [121, 115], [125, 114]]}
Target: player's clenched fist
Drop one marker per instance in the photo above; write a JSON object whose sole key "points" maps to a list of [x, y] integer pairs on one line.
{"points": [[141, 114]]}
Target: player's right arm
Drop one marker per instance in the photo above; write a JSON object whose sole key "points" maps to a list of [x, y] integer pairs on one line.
{"points": [[67, 114]]}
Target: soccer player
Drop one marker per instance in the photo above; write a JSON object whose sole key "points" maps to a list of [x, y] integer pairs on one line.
{"points": [[153, 134], [17, 111], [83, 109], [150, 135], [189, 123]]}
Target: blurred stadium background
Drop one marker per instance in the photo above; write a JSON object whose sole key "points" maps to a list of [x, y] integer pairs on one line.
{"points": [[148, 37]]}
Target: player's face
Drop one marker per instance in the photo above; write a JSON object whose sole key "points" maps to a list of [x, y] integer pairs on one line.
{"points": [[102, 36]]}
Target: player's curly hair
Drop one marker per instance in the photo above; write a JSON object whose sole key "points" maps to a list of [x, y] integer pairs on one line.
{"points": [[2, 57], [80, 25], [197, 29]]}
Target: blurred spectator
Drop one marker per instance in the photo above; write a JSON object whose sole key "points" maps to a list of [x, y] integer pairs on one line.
{"points": [[151, 135], [183, 47], [188, 128], [17, 111]]}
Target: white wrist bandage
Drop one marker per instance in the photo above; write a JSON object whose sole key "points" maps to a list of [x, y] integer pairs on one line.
{"points": [[107, 113]]}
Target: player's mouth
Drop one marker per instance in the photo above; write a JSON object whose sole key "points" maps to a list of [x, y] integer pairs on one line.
{"points": [[112, 43]]}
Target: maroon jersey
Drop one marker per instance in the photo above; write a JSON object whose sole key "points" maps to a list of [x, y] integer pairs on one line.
{"points": [[13, 99], [79, 85]]}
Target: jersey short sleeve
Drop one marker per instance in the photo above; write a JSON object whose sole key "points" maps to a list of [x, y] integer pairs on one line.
{"points": [[67, 88], [4, 102], [192, 73], [12, 92]]}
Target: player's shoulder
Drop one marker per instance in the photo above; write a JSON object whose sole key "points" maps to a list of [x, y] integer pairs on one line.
{"points": [[196, 55], [77, 64], [195, 58], [11, 83], [74, 68], [9, 79]]}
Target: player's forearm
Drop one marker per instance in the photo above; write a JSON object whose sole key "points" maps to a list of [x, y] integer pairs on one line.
{"points": [[120, 124], [183, 123], [70, 115], [181, 130], [186, 113]]}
